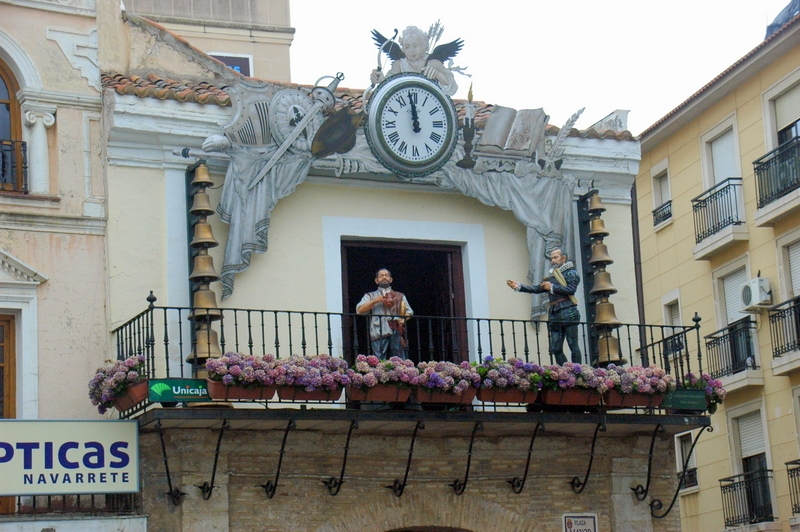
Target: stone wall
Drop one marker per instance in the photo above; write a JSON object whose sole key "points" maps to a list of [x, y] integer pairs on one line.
{"points": [[248, 458]]}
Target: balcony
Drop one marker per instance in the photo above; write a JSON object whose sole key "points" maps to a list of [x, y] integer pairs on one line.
{"points": [[164, 335], [731, 356], [13, 166], [662, 214], [778, 183], [793, 472], [746, 498], [718, 218], [690, 480], [784, 330]]}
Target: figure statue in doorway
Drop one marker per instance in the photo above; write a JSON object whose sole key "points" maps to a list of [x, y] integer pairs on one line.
{"points": [[389, 310]]}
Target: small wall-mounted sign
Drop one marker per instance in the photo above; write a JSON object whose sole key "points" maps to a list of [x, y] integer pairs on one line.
{"points": [[178, 390], [579, 522], [241, 63]]}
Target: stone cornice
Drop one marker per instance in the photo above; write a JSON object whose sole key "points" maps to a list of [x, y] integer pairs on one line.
{"points": [[52, 224], [86, 102]]}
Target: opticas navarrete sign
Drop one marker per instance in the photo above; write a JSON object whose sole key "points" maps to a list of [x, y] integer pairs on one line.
{"points": [[68, 457]]}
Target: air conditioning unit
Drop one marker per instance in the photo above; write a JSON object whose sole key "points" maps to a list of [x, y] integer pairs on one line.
{"points": [[756, 294]]}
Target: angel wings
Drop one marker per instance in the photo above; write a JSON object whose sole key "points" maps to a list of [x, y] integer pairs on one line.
{"points": [[442, 52]]}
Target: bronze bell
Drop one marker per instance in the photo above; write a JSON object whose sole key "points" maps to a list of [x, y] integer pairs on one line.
{"points": [[205, 306], [608, 350], [201, 178], [602, 284], [207, 346], [597, 228], [605, 315], [600, 257], [203, 236], [595, 204], [204, 269], [201, 205]]}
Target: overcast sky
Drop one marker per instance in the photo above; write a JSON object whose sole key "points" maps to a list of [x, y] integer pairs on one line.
{"points": [[640, 55]]}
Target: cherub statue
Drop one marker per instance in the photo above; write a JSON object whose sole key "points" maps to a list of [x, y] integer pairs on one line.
{"points": [[412, 56]]}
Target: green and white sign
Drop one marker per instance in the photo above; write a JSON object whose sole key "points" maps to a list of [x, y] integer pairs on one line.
{"points": [[178, 390]]}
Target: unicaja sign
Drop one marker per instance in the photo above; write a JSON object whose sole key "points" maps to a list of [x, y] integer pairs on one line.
{"points": [[68, 457]]}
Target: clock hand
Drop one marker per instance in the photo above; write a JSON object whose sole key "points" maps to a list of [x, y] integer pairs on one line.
{"points": [[414, 116]]}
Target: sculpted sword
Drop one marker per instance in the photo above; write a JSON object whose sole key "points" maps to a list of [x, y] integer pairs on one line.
{"points": [[324, 99]]}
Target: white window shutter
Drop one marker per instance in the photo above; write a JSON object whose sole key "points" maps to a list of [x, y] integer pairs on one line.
{"points": [[787, 107], [751, 435], [794, 269], [686, 445], [732, 292], [723, 157]]}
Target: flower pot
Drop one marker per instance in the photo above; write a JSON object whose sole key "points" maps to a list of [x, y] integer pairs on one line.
{"points": [[218, 390], [616, 399], [133, 396], [292, 393], [380, 392], [506, 395], [428, 395], [570, 397]]}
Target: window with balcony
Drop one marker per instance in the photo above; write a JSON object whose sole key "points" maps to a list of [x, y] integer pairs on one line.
{"points": [[730, 349], [13, 157], [784, 318], [661, 197], [686, 457], [747, 497], [718, 212], [777, 173]]}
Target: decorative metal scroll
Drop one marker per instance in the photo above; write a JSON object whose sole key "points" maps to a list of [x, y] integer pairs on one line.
{"points": [[458, 485], [175, 495], [333, 484], [270, 486], [577, 484], [656, 504], [397, 487], [641, 491], [518, 483], [207, 488]]}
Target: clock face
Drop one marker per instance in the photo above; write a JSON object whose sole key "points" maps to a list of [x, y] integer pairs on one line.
{"points": [[411, 125]]}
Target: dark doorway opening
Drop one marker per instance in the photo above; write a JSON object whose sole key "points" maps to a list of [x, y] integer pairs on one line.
{"points": [[432, 278]]}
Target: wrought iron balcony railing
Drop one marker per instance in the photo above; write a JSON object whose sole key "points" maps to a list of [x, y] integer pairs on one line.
{"points": [[784, 327], [100, 504], [730, 350], [14, 166], [717, 208], [166, 337], [746, 498], [793, 472], [690, 480], [778, 172], [662, 213]]}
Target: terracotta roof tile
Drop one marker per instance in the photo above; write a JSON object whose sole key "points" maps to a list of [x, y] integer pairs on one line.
{"points": [[166, 89], [205, 93]]}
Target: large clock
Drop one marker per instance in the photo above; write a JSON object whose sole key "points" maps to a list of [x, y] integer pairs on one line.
{"points": [[411, 125]]}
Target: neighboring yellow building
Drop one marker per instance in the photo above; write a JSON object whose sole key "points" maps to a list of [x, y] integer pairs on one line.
{"points": [[719, 232]]}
